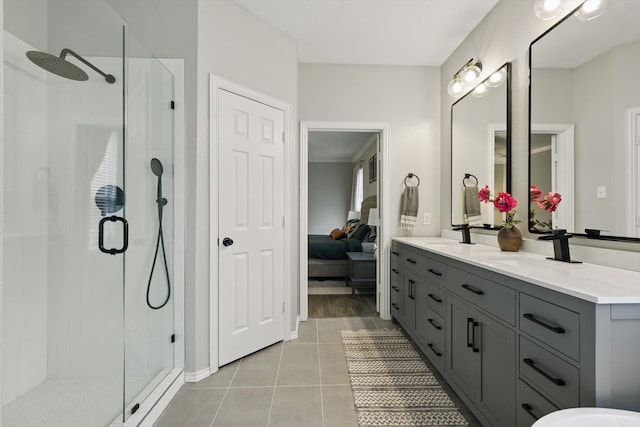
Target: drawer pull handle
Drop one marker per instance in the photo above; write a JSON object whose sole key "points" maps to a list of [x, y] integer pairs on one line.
{"points": [[472, 289], [556, 381], [412, 261], [432, 271], [433, 297], [436, 352], [473, 337], [469, 323], [395, 253], [534, 319], [395, 271], [529, 410], [411, 284], [395, 288], [394, 305], [434, 324]]}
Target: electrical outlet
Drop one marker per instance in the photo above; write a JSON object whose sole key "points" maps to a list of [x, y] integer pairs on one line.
{"points": [[427, 219], [601, 192]]}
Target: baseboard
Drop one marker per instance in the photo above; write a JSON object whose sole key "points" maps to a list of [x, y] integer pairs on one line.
{"points": [[194, 377], [294, 334]]}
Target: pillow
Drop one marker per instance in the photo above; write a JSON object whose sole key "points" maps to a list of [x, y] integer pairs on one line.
{"points": [[350, 226], [361, 232], [336, 234]]}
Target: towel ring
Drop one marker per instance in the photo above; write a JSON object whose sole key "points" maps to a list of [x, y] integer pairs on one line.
{"points": [[466, 177], [409, 176]]}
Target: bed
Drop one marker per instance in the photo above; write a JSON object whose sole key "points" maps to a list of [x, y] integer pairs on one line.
{"points": [[328, 255]]}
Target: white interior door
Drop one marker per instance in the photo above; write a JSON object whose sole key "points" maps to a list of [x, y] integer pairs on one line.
{"points": [[251, 226]]}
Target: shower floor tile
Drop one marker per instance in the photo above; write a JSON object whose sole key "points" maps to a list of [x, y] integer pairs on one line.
{"points": [[84, 402]]}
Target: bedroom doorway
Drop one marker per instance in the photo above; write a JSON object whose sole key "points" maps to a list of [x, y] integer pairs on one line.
{"points": [[347, 276]]}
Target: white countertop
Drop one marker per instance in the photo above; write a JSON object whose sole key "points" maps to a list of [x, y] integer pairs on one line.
{"points": [[590, 282]]}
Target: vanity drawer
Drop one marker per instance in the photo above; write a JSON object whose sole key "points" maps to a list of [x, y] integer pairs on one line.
{"points": [[496, 299], [396, 298], [437, 298], [435, 271], [530, 405], [413, 261], [551, 324], [557, 378], [435, 338]]}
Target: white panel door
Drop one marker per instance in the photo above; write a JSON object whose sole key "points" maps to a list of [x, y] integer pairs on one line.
{"points": [[250, 224]]}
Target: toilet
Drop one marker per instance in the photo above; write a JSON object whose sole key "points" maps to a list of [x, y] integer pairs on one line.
{"points": [[590, 417]]}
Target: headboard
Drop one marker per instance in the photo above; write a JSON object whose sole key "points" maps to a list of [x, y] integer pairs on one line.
{"points": [[367, 204]]}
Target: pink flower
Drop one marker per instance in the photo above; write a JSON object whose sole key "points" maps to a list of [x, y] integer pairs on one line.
{"points": [[504, 202], [484, 194], [534, 193], [550, 201]]}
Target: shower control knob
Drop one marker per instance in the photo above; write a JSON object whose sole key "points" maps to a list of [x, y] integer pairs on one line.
{"points": [[227, 241]]}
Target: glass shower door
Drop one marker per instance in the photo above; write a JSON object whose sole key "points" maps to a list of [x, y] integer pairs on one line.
{"points": [[149, 285], [63, 167]]}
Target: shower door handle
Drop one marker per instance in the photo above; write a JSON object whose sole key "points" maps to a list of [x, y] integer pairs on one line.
{"points": [[125, 237]]}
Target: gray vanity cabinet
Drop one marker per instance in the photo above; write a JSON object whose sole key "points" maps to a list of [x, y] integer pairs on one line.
{"points": [[481, 361], [514, 350]]}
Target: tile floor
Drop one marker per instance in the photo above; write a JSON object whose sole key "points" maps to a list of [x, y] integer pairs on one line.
{"points": [[303, 382]]}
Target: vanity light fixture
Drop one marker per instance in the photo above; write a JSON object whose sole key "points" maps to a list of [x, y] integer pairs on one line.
{"points": [[480, 90], [496, 79], [591, 9], [548, 9], [464, 78]]}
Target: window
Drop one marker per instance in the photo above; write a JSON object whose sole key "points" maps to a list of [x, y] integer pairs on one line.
{"points": [[357, 193]]}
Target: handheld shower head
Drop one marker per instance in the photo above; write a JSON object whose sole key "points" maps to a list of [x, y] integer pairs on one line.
{"points": [[156, 167], [60, 66]]}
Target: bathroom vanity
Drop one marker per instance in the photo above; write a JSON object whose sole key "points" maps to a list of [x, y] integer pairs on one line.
{"points": [[517, 335]]}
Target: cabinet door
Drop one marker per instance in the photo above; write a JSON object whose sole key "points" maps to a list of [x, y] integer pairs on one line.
{"points": [[461, 359], [409, 302], [496, 386]]}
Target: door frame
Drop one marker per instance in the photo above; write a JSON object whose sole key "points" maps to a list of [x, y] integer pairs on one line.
{"points": [[383, 207], [216, 84], [563, 155]]}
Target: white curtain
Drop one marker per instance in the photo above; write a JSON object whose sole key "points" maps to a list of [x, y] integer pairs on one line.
{"points": [[357, 189]]}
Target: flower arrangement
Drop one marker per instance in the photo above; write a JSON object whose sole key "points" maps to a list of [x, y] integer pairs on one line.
{"points": [[504, 203], [549, 202]]}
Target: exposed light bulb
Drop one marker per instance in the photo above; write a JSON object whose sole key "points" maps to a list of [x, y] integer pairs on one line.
{"points": [[480, 90], [591, 9], [470, 73], [497, 78], [455, 87], [548, 9]]}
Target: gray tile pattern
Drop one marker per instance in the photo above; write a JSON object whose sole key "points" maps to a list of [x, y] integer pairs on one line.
{"points": [[302, 382]]}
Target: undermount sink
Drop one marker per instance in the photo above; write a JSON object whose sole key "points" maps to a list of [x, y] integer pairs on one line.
{"points": [[590, 417]]}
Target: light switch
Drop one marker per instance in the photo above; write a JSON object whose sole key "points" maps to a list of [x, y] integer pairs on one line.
{"points": [[601, 192], [427, 219]]}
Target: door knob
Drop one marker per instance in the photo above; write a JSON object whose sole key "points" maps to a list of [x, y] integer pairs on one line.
{"points": [[227, 241]]}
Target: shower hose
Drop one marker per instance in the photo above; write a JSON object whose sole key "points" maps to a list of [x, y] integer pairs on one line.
{"points": [[161, 201]]}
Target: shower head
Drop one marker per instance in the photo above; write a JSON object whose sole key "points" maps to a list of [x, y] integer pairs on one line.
{"points": [[156, 167], [60, 66]]}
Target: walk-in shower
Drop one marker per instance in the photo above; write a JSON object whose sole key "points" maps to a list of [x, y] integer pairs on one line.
{"points": [[80, 346]]}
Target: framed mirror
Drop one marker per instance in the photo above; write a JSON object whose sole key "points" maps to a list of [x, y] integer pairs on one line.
{"points": [[584, 124], [481, 149]]}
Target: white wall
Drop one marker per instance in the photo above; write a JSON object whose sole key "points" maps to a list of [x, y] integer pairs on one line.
{"points": [[329, 196], [237, 46], [24, 222], [405, 97]]}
